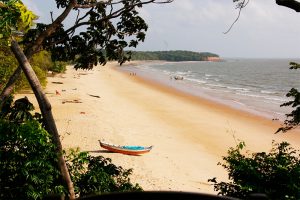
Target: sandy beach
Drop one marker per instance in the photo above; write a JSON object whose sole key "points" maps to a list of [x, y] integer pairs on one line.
{"points": [[190, 135]]}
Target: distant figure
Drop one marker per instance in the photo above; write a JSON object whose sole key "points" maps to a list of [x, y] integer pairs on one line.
{"points": [[57, 92]]}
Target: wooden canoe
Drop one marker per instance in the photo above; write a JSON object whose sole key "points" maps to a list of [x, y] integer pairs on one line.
{"points": [[129, 150]]}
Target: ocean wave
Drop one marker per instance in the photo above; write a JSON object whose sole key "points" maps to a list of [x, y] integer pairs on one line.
{"points": [[273, 98], [269, 92], [196, 80], [183, 73], [216, 85], [281, 99], [238, 102], [239, 88], [251, 95]]}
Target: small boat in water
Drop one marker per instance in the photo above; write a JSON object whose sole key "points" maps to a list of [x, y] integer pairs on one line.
{"points": [[129, 150], [178, 77]]}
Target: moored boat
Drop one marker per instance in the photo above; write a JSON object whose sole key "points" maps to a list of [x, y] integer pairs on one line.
{"points": [[129, 150], [178, 77]]}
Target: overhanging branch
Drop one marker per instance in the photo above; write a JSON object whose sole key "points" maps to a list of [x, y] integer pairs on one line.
{"points": [[292, 4], [85, 5]]}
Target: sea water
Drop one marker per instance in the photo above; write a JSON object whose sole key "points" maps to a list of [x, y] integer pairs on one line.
{"points": [[258, 86]]}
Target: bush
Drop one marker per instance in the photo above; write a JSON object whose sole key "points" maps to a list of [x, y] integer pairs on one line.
{"points": [[96, 174], [7, 65], [275, 174], [28, 162], [58, 67], [40, 62]]}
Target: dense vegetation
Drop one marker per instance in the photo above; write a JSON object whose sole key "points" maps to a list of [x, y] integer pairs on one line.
{"points": [[28, 161], [172, 55], [275, 174], [41, 63]]}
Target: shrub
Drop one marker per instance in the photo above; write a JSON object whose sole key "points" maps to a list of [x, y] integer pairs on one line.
{"points": [[7, 65], [58, 67], [96, 174], [275, 174], [28, 162], [42, 60], [41, 63]]}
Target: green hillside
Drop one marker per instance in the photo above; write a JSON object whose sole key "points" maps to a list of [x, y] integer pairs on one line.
{"points": [[172, 55]]}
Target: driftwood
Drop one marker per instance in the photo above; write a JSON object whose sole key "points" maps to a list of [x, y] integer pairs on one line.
{"points": [[71, 101], [94, 96], [57, 82]]}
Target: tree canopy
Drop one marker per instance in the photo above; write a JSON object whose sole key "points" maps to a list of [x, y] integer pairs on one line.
{"points": [[172, 55], [109, 27]]}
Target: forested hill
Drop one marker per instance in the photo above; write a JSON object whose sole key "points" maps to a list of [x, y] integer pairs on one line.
{"points": [[173, 55]]}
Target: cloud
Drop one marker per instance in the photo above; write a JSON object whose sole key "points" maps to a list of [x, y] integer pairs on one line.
{"points": [[264, 28]]}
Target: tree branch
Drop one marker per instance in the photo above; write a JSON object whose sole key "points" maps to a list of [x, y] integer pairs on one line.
{"points": [[292, 4], [91, 5], [50, 29], [240, 6]]}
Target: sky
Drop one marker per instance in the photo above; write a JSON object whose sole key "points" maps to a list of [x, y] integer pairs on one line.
{"points": [[264, 29]]}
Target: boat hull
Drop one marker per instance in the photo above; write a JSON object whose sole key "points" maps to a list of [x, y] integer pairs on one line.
{"points": [[124, 149]]}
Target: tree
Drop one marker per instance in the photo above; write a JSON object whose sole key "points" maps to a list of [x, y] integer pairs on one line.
{"points": [[110, 26], [275, 174]]}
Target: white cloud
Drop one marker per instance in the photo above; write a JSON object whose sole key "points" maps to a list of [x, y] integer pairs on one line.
{"points": [[264, 28]]}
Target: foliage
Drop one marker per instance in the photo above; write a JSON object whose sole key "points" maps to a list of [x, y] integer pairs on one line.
{"points": [[96, 174], [109, 27], [28, 161], [275, 173], [59, 67], [19, 112], [293, 118], [171, 55], [14, 17], [7, 65], [41, 63], [42, 60]]}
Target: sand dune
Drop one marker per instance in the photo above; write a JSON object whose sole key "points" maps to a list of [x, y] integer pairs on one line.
{"points": [[190, 135]]}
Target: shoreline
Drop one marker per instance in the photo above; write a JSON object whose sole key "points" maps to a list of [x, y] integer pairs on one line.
{"points": [[227, 95], [215, 106], [190, 135], [208, 101]]}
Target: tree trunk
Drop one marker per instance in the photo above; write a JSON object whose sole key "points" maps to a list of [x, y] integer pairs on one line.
{"points": [[45, 108]]}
